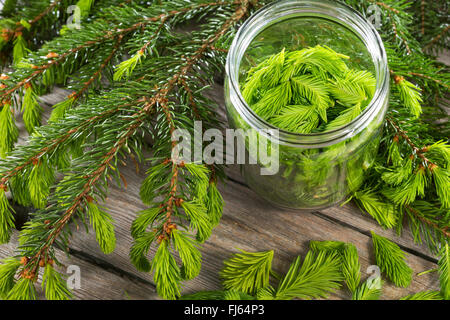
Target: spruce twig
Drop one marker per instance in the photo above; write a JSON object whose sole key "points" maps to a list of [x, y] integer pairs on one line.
{"points": [[80, 200], [417, 151]]}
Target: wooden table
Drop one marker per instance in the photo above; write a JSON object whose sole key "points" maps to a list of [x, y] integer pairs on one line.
{"points": [[248, 223]]}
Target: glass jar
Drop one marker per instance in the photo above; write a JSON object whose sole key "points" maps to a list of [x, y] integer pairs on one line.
{"points": [[315, 170]]}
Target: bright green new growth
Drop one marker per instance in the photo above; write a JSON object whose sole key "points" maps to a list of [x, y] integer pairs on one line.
{"points": [[319, 274], [296, 90], [126, 68], [246, 277], [23, 290], [31, 110], [20, 49], [384, 213], [348, 256], [8, 269], [247, 272], [55, 287], [40, 180], [101, 222], [166, 271], [6, 218], [369, 290], [351, 268], [444, 271], [424, 295], [189, 254], [391, 260], [7, 125]]}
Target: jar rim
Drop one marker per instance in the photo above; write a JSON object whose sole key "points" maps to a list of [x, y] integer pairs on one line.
{"points": [[288, 9]]}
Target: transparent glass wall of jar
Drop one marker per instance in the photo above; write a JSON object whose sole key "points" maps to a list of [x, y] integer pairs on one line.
{"points": [[315, 170]]}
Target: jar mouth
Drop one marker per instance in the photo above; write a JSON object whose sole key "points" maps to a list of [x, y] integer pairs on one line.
{"points": [[290, 9]]}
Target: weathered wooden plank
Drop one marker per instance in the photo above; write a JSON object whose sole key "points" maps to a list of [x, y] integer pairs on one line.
{"points": [[95, 283]]}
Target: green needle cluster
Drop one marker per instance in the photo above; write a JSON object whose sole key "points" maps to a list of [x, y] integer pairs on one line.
{"points": [[308, 90]]}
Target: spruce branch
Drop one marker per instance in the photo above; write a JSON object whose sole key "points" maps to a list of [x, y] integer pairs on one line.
{"points": [[427, 77], [32, 71], [42, 68], [83, 198], [98, 72], [386, 6], [171, 83], [195, 211], [398, 34], [75, 204], [32, 14], [434, 25]]}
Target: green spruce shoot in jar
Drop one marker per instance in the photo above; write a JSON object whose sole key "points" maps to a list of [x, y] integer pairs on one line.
{"points": [[308, 90]]}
